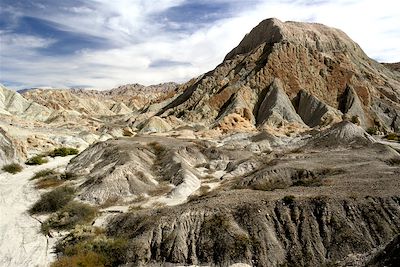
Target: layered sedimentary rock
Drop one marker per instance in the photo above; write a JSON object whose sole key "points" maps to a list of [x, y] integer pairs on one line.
{"points": [[12, 103], [320, 61]]}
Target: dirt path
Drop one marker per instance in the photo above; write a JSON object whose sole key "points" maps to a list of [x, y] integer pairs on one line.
{"points": [[21, 244]]}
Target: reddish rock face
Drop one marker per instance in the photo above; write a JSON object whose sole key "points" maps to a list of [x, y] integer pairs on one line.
{"points": [[319, 60]]}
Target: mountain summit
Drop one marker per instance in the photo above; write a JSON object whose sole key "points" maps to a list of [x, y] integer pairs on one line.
{"points": [[320, 69]]}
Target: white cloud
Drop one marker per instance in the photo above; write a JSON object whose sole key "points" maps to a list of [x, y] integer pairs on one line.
{"points": [[139, 41]]}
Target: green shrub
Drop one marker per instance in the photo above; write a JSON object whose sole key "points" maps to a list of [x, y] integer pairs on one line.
{"points": [[84, 259], [69, 216], [53, 201], [36, 160], [12, 168], [372, 130], [63, 152], [392, 137], [94, 252], [288, 200], [44, 173]]}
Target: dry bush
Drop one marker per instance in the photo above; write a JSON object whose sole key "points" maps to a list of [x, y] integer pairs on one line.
{"points": [[63, 152], [48, 183], [36, 160], [86, 259], [53, 201], [12, 168], [72, 214], [44, 174]]}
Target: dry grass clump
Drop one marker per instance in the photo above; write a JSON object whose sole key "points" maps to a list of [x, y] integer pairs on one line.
{"points": [[36, 160], [97, 251], [48, 183], [53, 201], [44, 173], [63, 152], [393, 137], [50, 178], [12, 168], [69, 216]]}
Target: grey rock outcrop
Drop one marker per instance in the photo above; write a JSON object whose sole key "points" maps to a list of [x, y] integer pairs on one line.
{"points": [[155, 124], [309, 232], [351, 105], [7, 149], [276, 107], [12, 103], [315, 112], [342, 134]]}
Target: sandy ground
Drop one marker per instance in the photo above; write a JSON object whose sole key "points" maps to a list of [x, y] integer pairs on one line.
{"points": [[21, 244]]}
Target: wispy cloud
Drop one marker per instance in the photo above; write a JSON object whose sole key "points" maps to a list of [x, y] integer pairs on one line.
{"points": [[102, 44]]}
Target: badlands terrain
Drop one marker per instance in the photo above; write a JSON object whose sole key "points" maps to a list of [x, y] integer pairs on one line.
{"points": [[286, 154]]}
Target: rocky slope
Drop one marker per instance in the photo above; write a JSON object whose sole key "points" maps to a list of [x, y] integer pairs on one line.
{"points": [[12, 103], [263, 161], [8, 151], [247, 198], [319, 68], [122, 100]]}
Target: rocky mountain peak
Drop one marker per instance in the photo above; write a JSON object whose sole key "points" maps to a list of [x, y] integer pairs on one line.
{"points": [[314, 36], [317, 60], [268, 31]]}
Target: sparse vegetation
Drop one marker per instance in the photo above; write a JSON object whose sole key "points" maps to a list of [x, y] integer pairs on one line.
{"points": [[36, 160], [53, 201], [86, 259], [44, 173], [12, 168], [63, 152], [392, 137], [372, 130], [94, 252], [314, 181], [70, 215], [47, 178], [48, 183], [50, 178]]}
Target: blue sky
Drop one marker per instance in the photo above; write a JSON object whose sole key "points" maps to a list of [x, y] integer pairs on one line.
{"points": [[103, 44]]}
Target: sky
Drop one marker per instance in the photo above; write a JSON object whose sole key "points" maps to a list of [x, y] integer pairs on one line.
{"points": [[103, 44]]}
